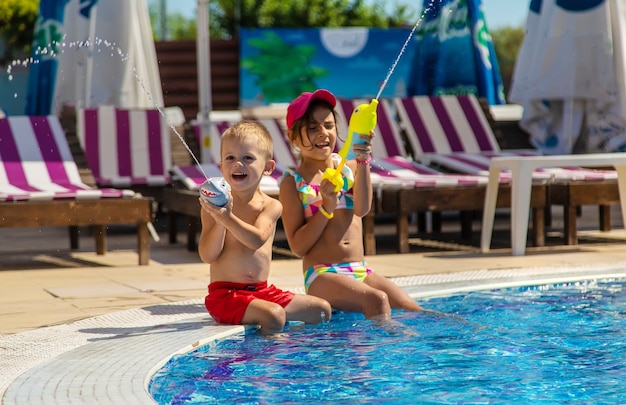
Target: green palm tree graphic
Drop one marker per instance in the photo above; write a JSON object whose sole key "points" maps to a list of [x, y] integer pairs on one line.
{"points": [[280, 70]]}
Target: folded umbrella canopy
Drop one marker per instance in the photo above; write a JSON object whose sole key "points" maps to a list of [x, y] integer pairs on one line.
{"points": [[569, 76], [454, 54], [105, 55]]}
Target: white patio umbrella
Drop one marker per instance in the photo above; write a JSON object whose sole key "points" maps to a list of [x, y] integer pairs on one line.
{"points": [[569, 76], [108, 56]]}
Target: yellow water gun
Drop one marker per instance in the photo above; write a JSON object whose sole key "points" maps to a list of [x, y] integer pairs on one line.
{"points": [[362, 121]]}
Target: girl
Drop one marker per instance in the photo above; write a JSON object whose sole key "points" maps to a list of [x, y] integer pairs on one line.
{"points": [[323, 226]]}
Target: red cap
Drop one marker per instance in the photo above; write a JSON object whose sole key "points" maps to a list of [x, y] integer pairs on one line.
{"points": [[298, 107]]}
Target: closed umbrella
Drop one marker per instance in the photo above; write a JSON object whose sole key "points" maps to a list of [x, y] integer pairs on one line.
{"points": [[454, 54], [108, 57], [569, 76]]}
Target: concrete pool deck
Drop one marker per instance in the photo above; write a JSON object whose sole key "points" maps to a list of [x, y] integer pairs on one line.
{"points": [[81, 328]]}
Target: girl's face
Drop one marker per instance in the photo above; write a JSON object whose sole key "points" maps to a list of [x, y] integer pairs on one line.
{"points": [[319, 135]]}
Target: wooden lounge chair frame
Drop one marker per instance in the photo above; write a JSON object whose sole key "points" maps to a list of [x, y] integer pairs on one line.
{"points": [[67, 202], [466, 200], [96, 214]]}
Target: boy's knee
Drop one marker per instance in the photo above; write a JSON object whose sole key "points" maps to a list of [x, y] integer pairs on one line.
{"points": [[274, 319]]}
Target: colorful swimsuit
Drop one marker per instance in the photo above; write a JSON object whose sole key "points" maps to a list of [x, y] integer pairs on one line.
{"points": [[311, 201], [358, 270], [309, 193]]}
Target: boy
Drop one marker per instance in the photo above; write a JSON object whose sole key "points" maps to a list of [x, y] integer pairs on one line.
{"points": [[236, 240]]}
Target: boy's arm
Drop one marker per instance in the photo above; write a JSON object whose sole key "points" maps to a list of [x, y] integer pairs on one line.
{"points": [[253, 236], [212, 237]]}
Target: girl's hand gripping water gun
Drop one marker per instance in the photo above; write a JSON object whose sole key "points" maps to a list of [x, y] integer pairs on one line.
{"points": [[362, 121]]}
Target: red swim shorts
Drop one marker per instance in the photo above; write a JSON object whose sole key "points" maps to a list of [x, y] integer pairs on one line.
{"points": [[227, 302]]}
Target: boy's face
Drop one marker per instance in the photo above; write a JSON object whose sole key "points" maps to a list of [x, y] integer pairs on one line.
{"points": [[243, 163]]}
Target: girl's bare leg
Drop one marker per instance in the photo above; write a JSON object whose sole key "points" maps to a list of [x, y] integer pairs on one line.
{"points": [[350, 295], [309, 309], [398, 298]]}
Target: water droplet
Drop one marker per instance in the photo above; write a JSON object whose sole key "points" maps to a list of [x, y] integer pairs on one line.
{"points": [[14, 95]]}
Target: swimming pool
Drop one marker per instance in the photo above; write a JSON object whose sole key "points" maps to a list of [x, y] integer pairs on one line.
{"points": [[552, 343]]}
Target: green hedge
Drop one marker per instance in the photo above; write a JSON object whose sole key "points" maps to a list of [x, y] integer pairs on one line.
{"points": [[17, 23]]}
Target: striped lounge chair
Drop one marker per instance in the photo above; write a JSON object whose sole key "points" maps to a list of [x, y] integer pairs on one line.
{"points": [[405, 186], [126, 148], [452, 133], [40, 185]]}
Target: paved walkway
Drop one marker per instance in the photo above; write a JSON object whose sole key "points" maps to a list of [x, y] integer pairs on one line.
{"points": [[35, 298], [73, 326]]}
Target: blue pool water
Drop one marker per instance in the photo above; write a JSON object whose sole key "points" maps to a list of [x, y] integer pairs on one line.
{"points": [[544, 344]]}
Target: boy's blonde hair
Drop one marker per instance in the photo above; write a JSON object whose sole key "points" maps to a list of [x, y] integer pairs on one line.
{"points": [[248, 129]]}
